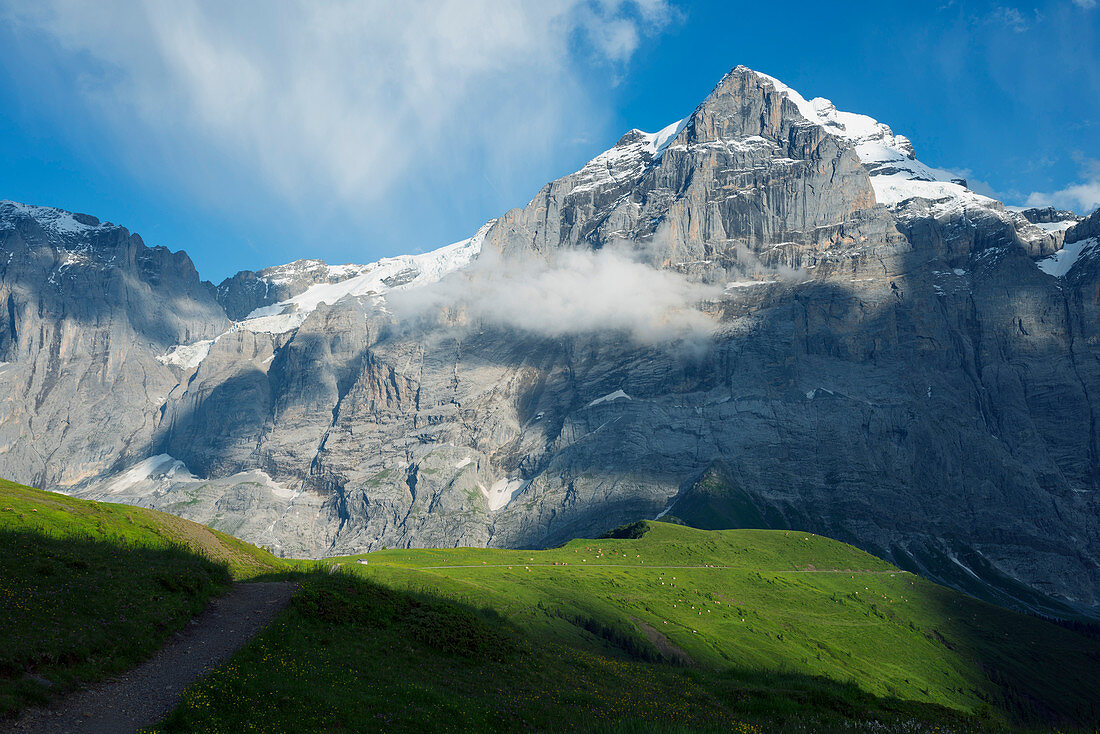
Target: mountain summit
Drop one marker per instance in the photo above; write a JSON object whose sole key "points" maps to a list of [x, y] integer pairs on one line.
{"points": [[768, 314]]}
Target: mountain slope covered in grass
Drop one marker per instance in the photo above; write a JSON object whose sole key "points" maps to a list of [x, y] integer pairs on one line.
{"points": [[770, 600], [350, 655]]}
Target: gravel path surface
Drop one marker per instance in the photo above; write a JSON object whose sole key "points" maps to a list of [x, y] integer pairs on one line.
{"points": [[143, 696]]}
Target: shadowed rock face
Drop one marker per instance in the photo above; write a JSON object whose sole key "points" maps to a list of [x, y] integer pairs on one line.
{"points": [[903, 378]]}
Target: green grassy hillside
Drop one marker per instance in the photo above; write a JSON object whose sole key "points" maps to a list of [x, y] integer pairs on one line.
{"points": [[717, 501], [88, 589], [769, 600], [25, 509], [677, 628], [353, 656]]}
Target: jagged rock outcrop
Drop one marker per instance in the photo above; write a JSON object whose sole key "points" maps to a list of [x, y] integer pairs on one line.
{"points": [[889, 365], [744, 177], [1084, 229], [1047, 232], [247, 291], [1080, 261]]}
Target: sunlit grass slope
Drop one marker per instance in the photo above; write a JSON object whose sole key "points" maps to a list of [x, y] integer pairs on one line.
{"points": [[350, 655], [89, 589], [769, 600], [60, 516]]}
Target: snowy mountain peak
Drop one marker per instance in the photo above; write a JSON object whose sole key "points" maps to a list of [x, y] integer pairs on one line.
{"points": [[896, 174], [51, 219], [890, 159]]}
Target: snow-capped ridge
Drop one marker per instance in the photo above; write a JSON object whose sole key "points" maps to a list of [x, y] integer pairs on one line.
{"points": [[661, 139], [309, 268], [896, 174], [627, 159], [51, 218], [372, 280], [334, 282]]}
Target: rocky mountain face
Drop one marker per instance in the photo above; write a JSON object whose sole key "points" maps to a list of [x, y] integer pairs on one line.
{"points": [[874, 352], [87, 308]]}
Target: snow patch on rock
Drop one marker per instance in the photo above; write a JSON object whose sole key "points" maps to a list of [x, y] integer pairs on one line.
{"points": [[1062, 261], [502, 492], [735, 284], [155, 468], [610, 397], [657, 142], [1055, 226], [164, 473], [187, 356]]}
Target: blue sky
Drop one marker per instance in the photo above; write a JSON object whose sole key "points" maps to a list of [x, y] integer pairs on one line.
{"points": [[254, 133]]}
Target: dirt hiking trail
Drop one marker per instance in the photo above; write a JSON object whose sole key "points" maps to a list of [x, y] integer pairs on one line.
{"points": [[143, 696]]}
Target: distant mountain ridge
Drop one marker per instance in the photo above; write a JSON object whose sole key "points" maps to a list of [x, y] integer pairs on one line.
{"points": [[874, 352]]}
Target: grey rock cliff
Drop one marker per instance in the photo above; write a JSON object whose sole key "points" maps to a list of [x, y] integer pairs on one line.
{"points": [[87, 308]]}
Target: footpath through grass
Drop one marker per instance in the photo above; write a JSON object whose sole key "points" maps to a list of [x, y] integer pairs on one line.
{"points": [[91, 589], [676, 630]]}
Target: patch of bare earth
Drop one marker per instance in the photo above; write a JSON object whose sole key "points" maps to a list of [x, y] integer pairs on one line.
{"points": [[663, 644]]}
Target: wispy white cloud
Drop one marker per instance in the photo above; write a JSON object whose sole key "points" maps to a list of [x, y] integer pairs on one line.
{"points": [[1010, 18], [1086, 4], [570, 292], [1082, 196], [338, 100]]}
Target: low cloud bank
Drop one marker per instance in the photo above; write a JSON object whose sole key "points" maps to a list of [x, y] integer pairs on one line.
{"points": [[1082, 198], [571, 293]]}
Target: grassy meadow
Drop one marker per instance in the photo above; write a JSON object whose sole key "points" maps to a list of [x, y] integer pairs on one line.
{"points": [[663, 629], [766, 600]]}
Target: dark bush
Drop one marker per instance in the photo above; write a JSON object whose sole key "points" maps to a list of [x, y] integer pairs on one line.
{"points": [[631, 531]]}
